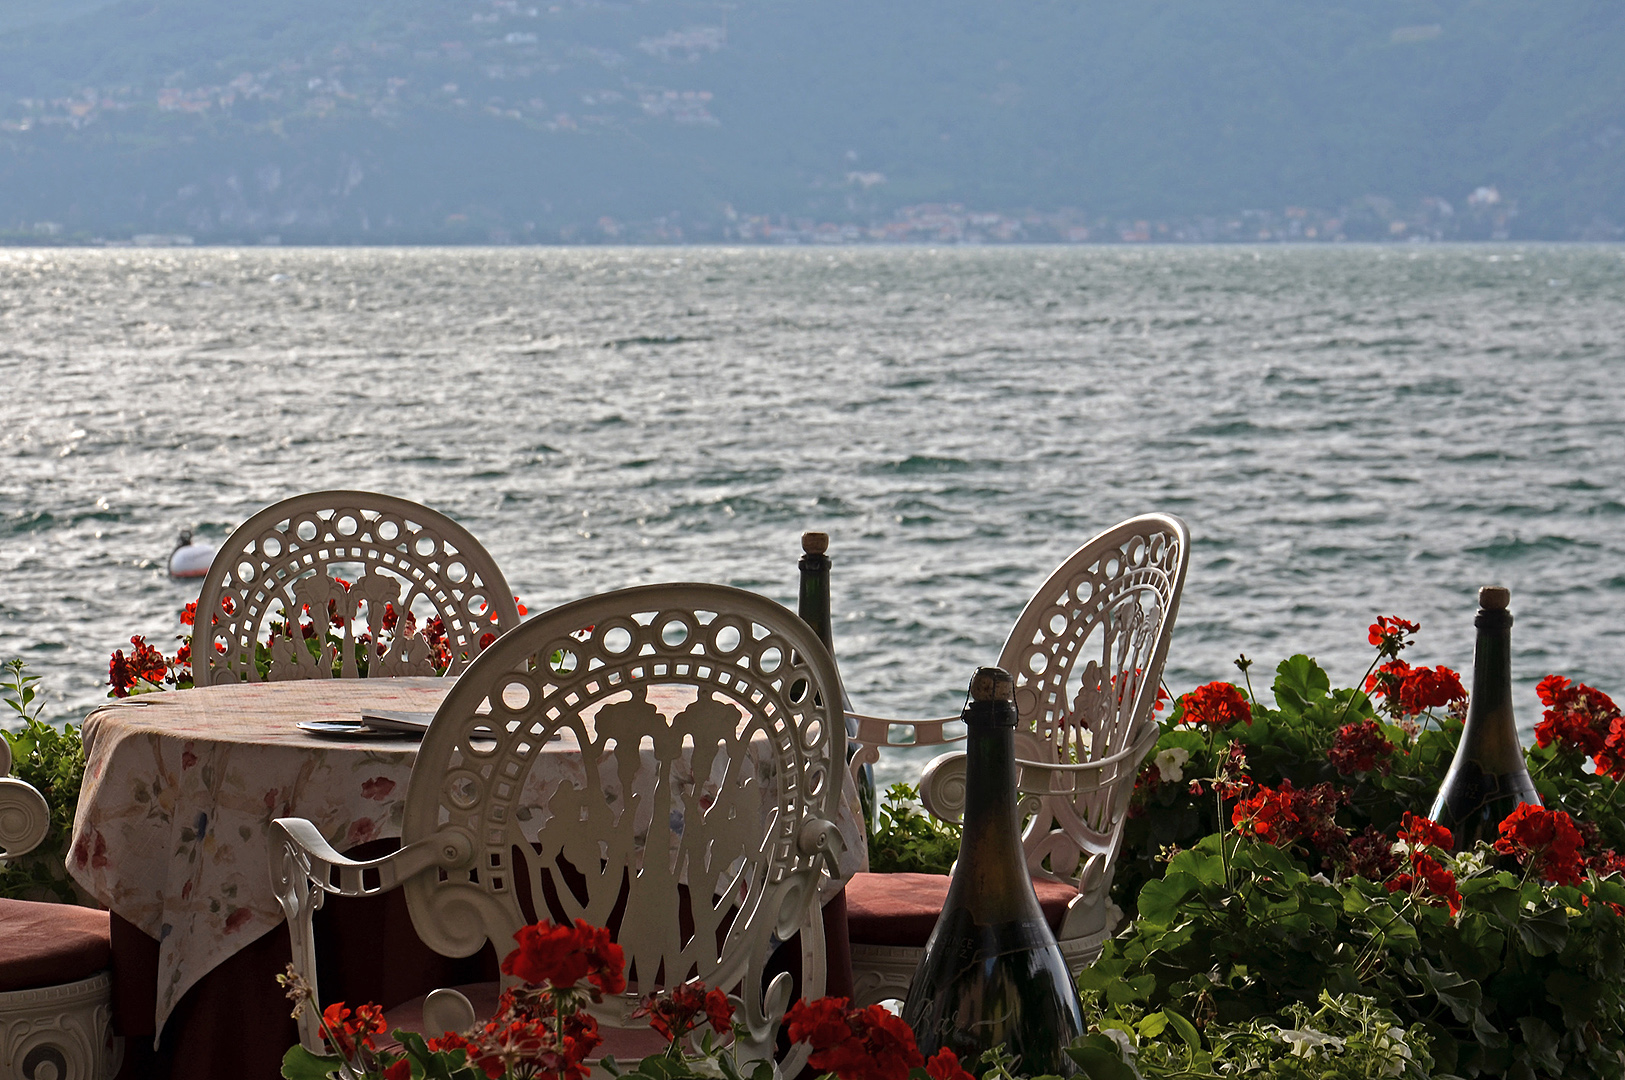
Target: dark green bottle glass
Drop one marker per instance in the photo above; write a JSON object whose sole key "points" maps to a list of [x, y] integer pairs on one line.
{"points": [[992, 973], [813, 607], [1488, 778]]}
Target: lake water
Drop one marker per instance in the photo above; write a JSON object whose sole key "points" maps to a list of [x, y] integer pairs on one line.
{"points": [[1349, 432]]}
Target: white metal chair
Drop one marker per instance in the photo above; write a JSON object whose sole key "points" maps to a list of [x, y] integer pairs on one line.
{"points": [[55, 989], [408, 565], [747, 773], [1087, 654]]}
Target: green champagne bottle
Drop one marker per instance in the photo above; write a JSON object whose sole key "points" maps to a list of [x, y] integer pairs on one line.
{"points": [[1488, 778], [813, 607], [992, 974]]}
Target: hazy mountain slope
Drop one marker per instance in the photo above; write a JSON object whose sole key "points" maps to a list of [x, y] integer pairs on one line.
{"points": [[448, 119]]}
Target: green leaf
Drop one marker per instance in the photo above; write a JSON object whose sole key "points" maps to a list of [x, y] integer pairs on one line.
{"points": [[300, 1064], [1099, 1063], [1298, 682], [1151, 1025], [1159, 900], [1184, 1028], [1544, 933], [1486, 1032], [1540, 1043], [1461, 995]]}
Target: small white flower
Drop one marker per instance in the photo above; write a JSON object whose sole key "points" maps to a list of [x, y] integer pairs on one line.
{"points": [[1306, 1042], [1171, 764], [1125, 1044]]}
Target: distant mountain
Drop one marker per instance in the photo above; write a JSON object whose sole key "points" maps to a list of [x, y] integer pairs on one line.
{"points": [[496, 120]]}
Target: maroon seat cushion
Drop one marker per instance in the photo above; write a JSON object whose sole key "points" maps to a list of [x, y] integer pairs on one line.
{"points": [[629, 1045], [51, 944], [901, 909]]}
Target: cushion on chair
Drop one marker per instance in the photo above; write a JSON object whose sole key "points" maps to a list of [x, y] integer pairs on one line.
{"points": [[51, 944], [627, 1045], [902, 909]]}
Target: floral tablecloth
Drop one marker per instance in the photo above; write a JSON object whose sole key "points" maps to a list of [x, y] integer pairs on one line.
{"points": [[180, 790]]}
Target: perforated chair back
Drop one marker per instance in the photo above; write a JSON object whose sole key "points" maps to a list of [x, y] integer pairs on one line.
{"points": [[1087, 654], [702, 812], [369, 567]]}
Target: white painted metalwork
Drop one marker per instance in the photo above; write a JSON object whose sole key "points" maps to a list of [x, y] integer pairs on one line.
{"points": [[61, 1032], [1087, 655], [280, 566], [710, 781]]}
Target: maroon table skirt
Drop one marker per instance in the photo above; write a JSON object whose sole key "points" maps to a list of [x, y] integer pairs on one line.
{"points": [[235, 1022]]}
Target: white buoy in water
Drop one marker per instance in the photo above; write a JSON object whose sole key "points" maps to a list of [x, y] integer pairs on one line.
{"points": [[190, 560]]}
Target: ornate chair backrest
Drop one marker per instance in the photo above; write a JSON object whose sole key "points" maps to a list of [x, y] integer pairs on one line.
{"points": [[370, 568], [1087, 656], [696, 817]]}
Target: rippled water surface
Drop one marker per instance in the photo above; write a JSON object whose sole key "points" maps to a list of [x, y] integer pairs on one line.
{"points": [[1349, 432]]}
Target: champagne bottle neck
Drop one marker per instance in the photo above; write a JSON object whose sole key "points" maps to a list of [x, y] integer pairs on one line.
{"points": [[813, 603], [1490, 736], [990, 845]]}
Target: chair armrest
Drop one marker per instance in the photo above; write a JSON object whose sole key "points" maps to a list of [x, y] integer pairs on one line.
{"points": [[942, 783], [1041, 778], [305, 868], [873, 732], [876, 730], [304, 843], [25, 818]]}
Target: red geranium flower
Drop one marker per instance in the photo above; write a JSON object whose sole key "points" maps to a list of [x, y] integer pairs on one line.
{"points": [[1361, 747], [1580, 718], [1390, 634], [561, 956], [1285, 815], [1545, 838], [1217, 704], [944, 1065], [1424, 689], [344, 1030], [854, 1044], [1421, 832], [679, 1011]]}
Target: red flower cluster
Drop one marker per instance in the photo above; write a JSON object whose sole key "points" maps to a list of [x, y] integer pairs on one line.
{"points": [[1217, 704], [1545, 839], [944, 1065], [1580, 718], [518, 1033], [144, 663], [1408, 691], [1427, 880], [561, 956], [1371, 856], [345, 1030], [858, 1044], [1391, 634], [1361, 747], [678, 1012], [1286, 815], [1423, 689]]}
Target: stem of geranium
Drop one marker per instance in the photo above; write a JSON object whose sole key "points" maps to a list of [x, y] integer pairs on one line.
{"points": [[1359, 690], [1218, 799]]}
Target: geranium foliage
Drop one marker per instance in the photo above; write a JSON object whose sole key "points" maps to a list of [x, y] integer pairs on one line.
{"points": [[1289, 858]]}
